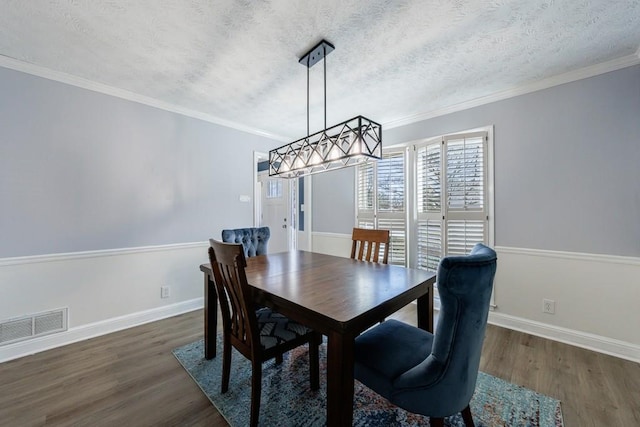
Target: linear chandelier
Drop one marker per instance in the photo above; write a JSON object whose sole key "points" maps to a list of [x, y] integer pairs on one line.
{"points": [[349, 143]]}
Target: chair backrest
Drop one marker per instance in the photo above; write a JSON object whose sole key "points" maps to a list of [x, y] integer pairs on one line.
{"points": [[464, 285], [372, 240], [236, 305], [254, 239]]}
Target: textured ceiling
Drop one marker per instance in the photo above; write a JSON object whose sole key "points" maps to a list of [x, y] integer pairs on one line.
{"points": [[237, 61]]}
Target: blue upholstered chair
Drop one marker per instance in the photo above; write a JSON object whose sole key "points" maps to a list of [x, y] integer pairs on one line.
{"points": [[434, 375], [254, 240]]}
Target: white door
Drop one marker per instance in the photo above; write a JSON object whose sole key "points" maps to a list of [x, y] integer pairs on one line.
{"points": [[276, 211]]}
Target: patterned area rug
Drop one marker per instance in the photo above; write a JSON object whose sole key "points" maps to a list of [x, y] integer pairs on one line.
{"points": [[288, 401]]}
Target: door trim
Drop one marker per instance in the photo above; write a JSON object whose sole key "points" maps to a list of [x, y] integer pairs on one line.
{"points": [[257, 208], [257, 191]]}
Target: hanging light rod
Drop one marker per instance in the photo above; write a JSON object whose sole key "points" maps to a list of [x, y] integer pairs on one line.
{"points": [[349, 143], [317, 53]]}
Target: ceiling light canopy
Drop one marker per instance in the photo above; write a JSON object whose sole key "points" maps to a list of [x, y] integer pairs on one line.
{"points": [[349, 143]]}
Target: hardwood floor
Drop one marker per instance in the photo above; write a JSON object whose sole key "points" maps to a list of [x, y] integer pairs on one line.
{"points": [[130, 378]]}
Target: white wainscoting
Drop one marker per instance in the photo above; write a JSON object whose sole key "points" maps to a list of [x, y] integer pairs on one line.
{"points": [[105, 291], [596, 296], [331, 244]]}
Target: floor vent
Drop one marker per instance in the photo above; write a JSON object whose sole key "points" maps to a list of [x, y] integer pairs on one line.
{"points": [[32, 326]]}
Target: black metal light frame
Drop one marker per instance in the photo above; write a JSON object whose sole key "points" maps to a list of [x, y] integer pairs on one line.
{"points": [[351, 142]]}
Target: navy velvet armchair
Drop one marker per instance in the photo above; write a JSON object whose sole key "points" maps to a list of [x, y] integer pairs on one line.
{"points": [[254, 240], [434, 375]]}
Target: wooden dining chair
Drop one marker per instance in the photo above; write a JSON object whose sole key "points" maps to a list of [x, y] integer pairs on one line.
{"points": [[371, 240], [259, 334]]}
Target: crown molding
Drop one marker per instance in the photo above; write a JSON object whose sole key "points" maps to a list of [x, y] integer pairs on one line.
{"points": [[36, 70], [571, 76], [583, 73]]}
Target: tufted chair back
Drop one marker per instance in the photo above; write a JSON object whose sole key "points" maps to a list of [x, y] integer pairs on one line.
{"points": [[434, 374], [254, 240], [464, 285]]}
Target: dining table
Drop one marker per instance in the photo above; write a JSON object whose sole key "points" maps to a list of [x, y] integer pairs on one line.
{"points": [[338, 297]]}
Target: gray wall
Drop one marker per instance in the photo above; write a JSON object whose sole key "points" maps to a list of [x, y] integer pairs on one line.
{"points": [[80, 170], [567, 166], [333, 203]]}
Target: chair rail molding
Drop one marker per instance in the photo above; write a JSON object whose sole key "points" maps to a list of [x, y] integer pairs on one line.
{"points": [[575, 281], [104, 291], [585, 316]]}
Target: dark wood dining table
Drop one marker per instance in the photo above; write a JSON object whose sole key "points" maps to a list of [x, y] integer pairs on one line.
{"points": [[339, 297]]}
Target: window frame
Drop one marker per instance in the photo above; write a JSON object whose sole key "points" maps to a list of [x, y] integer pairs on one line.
{"points": [[446, 217], [364, 218], [411, 193]]}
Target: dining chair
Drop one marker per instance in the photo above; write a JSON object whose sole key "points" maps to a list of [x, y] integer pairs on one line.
{"points": [[372, 240], [255, 240], [434, 374], [259, 334]]}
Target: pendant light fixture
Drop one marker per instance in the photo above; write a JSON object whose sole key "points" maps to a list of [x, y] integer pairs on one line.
{"points": [[349, 143]]}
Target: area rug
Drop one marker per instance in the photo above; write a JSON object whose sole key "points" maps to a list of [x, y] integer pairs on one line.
{"points": [[287, 399]]}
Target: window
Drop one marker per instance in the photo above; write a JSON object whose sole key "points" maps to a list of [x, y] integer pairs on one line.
{"points": [[274, 189], [381, 201], [450, 211], [451, 181]]}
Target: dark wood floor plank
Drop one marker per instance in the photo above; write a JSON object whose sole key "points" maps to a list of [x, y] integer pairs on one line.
{"points": [[131, 378]]}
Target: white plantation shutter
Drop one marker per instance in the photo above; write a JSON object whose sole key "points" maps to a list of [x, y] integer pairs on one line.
{"points": [[429, 198], [397, 230], [463, 235], [381, 198], [391, 182], [429, 244], [429, 178], [366, 193], [465, 213], [465, 172], [451, 196], [391, 213], [449, 183]]}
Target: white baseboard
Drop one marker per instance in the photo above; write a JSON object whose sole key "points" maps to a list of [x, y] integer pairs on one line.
{"points": [[612, 347], [104, 291], [523, 277], [600, 344], [85, 332]]}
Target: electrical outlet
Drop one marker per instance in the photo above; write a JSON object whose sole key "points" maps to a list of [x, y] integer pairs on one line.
{"points": [[548, 306], [164, 292]]}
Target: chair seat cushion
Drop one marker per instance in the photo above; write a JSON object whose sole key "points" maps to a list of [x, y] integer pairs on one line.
{"points": [[276, 329], [386, 351]]}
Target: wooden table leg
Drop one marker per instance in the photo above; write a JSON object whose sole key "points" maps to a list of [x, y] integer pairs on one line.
{"points": [[425, 311], [210, 317], [340, 379]]}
